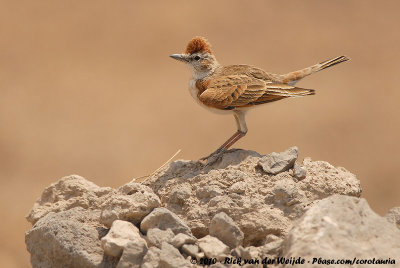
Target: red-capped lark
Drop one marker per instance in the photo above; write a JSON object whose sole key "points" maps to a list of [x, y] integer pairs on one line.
{"points": [[237, 88]]}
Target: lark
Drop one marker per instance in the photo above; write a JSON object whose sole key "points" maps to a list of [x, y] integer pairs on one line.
{"points": [[237, 88]]}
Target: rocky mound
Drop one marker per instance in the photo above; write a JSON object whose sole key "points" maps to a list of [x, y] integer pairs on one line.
{"points": [[245, 208]]}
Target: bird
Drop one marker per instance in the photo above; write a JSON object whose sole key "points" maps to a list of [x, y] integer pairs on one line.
{"points": [[237, 88]]}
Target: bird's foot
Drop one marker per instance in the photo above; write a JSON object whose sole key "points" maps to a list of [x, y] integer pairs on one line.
{"points": [[214, 157], [218, 151]]}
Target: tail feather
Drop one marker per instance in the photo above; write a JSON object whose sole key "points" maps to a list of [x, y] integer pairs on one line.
{"points": [[272, 95], [292, 77], [295, 92], [332, 62]]}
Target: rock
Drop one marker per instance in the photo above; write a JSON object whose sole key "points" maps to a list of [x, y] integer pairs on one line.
{"points": [[219, 265], [272, 246], [299, 171], [163, 219], [120, 234], [171, 258], [275, 163], [231, 158], [393, 216], [342, 227], [68, 239], [190, 250], [69, 192], [226, 230], [152, 258], [71, 215], [200, 255], [325, 180], [181, 239], [155, 237], [181, 194], [260, 204], [284, 194], [209, 191], [133, 254], [238, 187], [132, 202], [213, 247], [246, 253], [270, 249]]}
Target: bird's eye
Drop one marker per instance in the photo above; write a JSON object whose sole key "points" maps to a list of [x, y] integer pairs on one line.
{"points": [[197, 58]]}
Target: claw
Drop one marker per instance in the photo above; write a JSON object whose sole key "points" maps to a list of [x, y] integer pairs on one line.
{"points": [[218, 151], [214, 157]]}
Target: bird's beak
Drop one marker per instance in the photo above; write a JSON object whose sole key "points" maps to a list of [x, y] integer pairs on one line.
{"points": [[180, 57]]}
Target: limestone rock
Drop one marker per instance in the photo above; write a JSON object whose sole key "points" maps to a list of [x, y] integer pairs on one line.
{"points": [[275, 163], [284, 193], [69, 192], [246, 253], [152, 258], [271, 249], [181, 194], [218, 265], [133, 254], [299, 171], [155, 237], [209, 191], [272, 246], [68, 239], [226, 230], [200, 255], [71, 215], [231, 158], [181, 239], [238, 187], [120, 234], [213, 247], [393, 216], [342, 227], [132, 202], [190, 250], [260, 204], [171, 258], [164, 219]]}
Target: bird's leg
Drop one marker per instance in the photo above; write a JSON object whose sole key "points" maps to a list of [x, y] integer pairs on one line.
{"points": [[235, 137], [241, 132]]}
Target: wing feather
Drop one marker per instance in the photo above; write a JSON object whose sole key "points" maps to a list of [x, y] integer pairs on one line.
{"points": [[236, 91]]}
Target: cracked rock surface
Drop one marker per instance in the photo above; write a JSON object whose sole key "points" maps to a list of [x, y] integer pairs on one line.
{"points": [[246, 205], [258, 202], [342, 227]]}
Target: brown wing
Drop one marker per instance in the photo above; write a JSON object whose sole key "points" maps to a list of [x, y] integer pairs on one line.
{"points": [[236, 91]]}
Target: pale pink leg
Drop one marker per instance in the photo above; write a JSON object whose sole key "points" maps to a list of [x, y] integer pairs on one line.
{"points": [[241, 132]]}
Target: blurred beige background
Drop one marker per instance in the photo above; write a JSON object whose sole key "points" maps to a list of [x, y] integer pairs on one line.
{"points": [[87, 87]]}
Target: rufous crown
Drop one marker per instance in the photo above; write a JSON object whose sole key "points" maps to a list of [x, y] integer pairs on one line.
{"points": [[198, 44]]}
